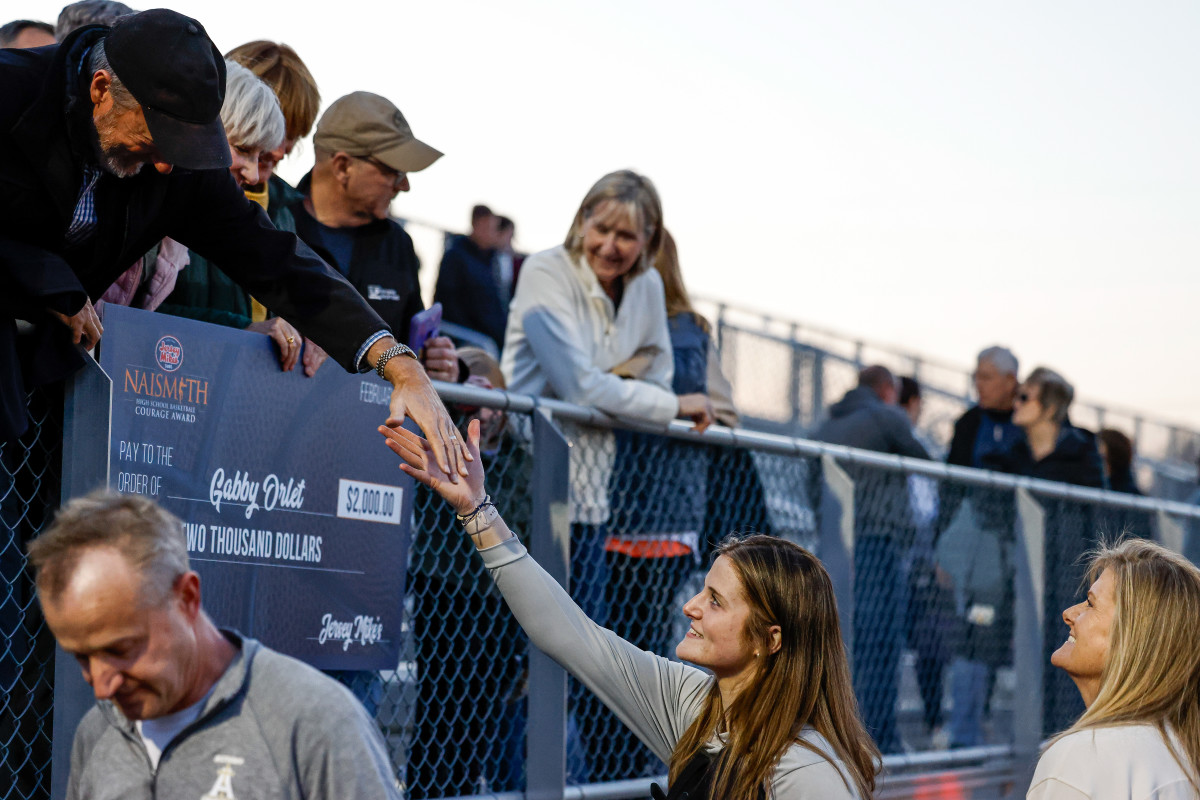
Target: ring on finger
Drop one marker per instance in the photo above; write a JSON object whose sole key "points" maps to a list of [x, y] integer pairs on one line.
{"points": [[291, 339]]}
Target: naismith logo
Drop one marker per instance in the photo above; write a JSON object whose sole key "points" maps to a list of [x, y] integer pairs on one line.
{"points": [[168, 353]]}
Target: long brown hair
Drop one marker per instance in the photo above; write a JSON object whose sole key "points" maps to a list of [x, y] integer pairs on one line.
{"points": [[805, 683], [1152, 673], [666, 261]]}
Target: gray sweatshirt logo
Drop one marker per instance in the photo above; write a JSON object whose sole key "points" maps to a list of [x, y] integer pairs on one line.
{"points": [[223, 788]]}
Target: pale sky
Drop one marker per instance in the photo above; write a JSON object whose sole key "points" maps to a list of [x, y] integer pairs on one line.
{"points": [[937, 175]]}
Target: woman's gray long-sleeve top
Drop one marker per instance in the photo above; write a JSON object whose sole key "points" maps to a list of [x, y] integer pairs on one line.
{"points": [[656, 697]]}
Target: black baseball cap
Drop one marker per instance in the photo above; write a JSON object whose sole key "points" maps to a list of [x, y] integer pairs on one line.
{"points": [[177, 75]]}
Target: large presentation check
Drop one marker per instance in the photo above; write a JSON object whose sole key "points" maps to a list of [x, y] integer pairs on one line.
{"points": [[297, 517]]}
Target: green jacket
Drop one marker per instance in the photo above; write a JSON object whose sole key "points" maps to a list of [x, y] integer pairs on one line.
{"points": [[202, 291]]}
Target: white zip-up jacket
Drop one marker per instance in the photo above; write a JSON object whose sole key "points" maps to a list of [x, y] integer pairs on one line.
{"points": [[563, 337]]}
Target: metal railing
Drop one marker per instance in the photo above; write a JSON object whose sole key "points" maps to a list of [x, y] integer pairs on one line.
{"points": [[785, 373], [471, 711]]}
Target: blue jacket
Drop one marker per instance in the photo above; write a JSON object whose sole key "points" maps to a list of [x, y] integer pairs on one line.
{"points": [[466, 288]]}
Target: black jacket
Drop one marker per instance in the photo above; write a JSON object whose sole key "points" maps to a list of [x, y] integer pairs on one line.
{"points": [[966, 430], [46, 137], [1075, 459], [467, 290], [383, 264]]}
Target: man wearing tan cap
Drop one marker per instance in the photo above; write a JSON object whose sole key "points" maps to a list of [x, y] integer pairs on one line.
{"points": [[365, 150]]}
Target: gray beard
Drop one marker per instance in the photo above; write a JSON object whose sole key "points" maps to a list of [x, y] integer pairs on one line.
{"points": [[115, 158]]}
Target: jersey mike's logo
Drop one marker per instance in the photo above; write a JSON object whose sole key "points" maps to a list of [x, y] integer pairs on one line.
{"points": [[168, 353]]}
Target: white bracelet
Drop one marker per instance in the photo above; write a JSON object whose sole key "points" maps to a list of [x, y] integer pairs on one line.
{"points": [[481, 521]]}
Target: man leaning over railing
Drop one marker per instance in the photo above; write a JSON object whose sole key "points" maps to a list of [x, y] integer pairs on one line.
{"points": [[79, 124]]}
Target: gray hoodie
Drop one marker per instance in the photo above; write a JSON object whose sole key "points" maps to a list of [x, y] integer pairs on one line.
{"points": [[273, 727], [861, 419]]}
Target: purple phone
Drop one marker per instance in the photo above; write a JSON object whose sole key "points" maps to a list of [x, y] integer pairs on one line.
{"points": [[424, 326]]}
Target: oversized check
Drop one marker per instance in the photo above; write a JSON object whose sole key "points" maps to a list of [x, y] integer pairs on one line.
{"points": [[297, 517]]}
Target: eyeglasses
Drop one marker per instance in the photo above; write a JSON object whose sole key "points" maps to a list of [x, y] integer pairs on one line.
{"points": [[396, 175]]}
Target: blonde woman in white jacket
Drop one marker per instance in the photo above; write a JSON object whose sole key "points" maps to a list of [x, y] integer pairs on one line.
{"points": [[1133, 649], [580, 311]]}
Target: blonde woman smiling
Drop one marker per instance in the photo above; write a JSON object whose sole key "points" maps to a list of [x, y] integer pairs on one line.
{"points": [[1133, 649]]}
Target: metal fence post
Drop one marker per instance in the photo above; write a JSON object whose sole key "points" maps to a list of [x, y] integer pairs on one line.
{"points": [[1169, 533], [87, 420], [818, 386], [1030, 583], [837, 540], [546, 729], [796, 426]]}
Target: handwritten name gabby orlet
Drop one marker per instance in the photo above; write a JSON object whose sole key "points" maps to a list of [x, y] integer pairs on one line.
{"points": [[241, 489]]}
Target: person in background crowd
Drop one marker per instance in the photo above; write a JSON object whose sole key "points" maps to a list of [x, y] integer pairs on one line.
{"points": [[253, 123], [468, 287], [22, 34], [365, 151], [930, 619], [771, 715], [868, 417], [1133, 652], [507, 261], [1054, 449], [1191, 541], [463, 748], [909, 399], [985, 435], [582, 309], [975, 543], [88, 12], [1116, 454], [149, 92], [1058, 451], [183, 708], [280, 67]]}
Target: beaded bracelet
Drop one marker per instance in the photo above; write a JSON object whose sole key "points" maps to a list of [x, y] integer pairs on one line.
{"points": [[479, 518], [481, 521]]}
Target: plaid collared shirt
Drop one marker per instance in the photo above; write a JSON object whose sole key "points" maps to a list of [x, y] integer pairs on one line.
{"points": [[83, 223]]}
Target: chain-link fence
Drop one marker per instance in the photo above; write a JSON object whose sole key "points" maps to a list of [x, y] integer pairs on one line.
{"points": [[933, 566], [30, 482]]}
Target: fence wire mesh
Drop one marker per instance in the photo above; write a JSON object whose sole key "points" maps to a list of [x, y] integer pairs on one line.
{"points": [[30, 483], [933, 597]]}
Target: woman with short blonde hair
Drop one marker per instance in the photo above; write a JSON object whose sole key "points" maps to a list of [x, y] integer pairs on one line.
{"points": [[1133, 650]]}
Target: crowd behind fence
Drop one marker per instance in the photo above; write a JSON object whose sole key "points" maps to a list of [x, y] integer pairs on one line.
{"points": [[785, 374], [915, 549]]}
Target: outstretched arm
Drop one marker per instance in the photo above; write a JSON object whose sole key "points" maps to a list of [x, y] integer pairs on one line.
{"points": [[414, 396], [655, 697]]}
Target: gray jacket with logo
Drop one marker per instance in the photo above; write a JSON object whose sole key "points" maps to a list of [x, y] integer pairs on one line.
{"points": [[273, 729]]}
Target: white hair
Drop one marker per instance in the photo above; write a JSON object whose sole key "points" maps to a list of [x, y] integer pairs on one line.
{"points": [[1001, 358], [251, 113]]}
